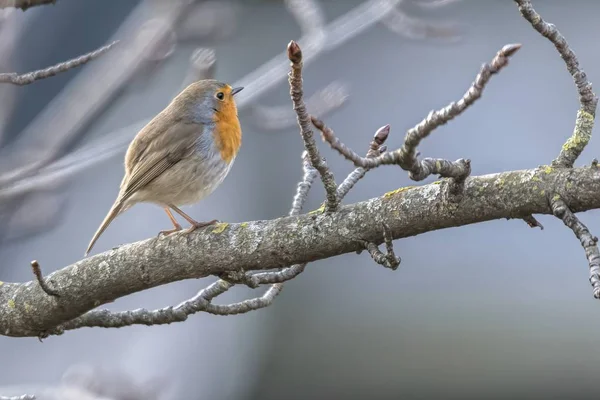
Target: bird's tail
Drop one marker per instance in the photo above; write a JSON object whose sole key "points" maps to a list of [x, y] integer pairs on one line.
{"points": [[115, 210]]}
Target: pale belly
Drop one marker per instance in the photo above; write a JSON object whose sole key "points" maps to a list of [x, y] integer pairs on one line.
{"points": [[187, 182]]}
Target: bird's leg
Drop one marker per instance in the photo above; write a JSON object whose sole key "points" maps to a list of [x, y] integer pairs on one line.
{"points": [[176, 226], [194, 224]]}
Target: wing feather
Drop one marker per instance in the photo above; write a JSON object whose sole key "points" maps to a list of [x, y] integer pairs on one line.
{"points": [[155, 155]]}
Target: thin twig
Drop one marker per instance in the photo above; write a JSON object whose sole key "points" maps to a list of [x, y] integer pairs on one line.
{"points": [[26, 79], [388, 260], [304, 185], [406, 156], [376, 148], [37, 271], [201, 302], [296, 92], [584, 123], [588, 241]]}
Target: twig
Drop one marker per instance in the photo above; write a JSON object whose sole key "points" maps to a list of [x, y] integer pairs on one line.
{"points": [[201, 302], [406, 156], [532, 222], [246, 305], [37, 271], [304, 185], [388, 260], [589, 242], [26, 79], [24, 4], [584, 123], [295, 81], [376, 148]]}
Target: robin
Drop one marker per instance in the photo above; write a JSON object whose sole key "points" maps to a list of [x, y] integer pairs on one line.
{"points": [[182, 155]]}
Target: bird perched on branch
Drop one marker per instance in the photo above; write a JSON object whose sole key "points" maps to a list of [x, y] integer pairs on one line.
{"points": [[182, 155]]}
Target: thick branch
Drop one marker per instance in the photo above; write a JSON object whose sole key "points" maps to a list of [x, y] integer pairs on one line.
{"points": [[26, 310]]}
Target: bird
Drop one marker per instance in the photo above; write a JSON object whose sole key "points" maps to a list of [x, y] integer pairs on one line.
{"points": [[182, 155]]}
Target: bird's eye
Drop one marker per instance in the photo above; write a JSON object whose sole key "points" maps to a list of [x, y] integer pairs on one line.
{"points": [[220, 96]]}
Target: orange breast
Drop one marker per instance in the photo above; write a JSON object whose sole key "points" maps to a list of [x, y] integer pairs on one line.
{"points": [[228, 132]]}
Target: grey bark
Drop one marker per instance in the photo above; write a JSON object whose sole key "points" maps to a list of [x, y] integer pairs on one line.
{"points": [[26, 310]]}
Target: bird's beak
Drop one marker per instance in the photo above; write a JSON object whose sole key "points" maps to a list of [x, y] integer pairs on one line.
{"points": [[236, 90]]}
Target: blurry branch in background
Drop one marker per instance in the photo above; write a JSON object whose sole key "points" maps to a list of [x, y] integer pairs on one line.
{"points": [[32, 166], [24, 4], [26, 79], [21, 397], [272, 252]]}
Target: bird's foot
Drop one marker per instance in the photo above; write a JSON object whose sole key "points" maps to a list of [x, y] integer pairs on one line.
{"points": [[167, 232], [197, 225]]}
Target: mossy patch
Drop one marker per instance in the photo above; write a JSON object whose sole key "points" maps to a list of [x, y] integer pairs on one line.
{"points": [[319, 210], [220, 227], [582, 133], [400, 190]]}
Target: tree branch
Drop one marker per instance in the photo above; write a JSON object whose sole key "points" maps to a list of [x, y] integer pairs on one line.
{"points": [[588, 241], [584, 123], [26, 310], [406, 156], [235, 251], [26, 79], [296, 92]]}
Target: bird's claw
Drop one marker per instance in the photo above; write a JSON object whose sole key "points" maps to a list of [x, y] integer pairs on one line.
{"points": [[167, 232], [198, 225]]}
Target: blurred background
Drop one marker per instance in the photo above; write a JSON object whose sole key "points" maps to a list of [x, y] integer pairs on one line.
{"points": [[494, 310]]}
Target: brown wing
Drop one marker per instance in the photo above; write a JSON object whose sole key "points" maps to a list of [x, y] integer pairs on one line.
{"points": [[152, 154]]}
